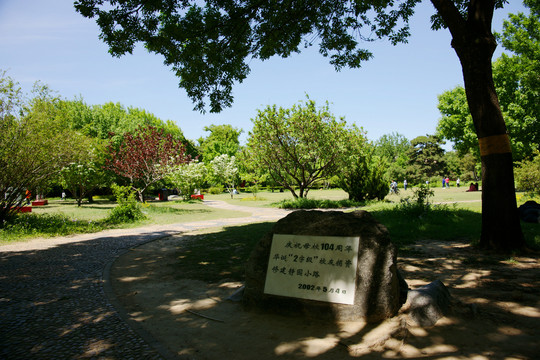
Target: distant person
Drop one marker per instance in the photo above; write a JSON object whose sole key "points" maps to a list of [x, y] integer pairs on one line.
{"points": [[447, 180], [393, 187], [443, 183], [405, 184], [63, 195], [457, 182]]}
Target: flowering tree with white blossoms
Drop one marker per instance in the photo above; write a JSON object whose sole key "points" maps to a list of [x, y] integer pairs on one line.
{"points": [[225, 171], [188, 177]]}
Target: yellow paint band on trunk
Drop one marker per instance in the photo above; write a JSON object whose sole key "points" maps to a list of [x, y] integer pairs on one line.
{"points": [[495, 144]]}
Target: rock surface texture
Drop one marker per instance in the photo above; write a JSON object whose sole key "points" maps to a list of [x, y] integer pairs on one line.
{"points": [[380, 290], [427, 304]]}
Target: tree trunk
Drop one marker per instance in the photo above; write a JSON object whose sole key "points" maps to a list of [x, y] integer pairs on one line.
{"points": [[474, 44]]}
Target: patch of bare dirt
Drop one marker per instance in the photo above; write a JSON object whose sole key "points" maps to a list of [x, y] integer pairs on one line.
{"points": [[495, 312]]}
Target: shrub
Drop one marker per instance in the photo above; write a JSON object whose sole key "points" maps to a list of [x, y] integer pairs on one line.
{"points": [[528, 175], [304, 203], [419, 204], [128, 209], [215, 190], [29, 225]]}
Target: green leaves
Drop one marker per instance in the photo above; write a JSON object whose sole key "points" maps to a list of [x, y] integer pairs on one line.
{"points": [[209, 44], [297, 146], [34, 142], [223, 139]]}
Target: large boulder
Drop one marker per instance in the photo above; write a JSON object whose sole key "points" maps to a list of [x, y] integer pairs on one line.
{"points": [[379, 289]]}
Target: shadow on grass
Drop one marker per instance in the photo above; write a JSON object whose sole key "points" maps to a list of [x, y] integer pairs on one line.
{"points": [[406, 227], [442, 223], [211, 257]]}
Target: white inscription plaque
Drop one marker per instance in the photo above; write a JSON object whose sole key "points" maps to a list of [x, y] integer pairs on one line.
{"points": [[319, 268]]}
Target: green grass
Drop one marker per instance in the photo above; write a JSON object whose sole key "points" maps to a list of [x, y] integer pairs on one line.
{"points": [[317, 204], [217, 254], [463, 222], [269, 199], [27, 226], [65, 218], [440, 223]]}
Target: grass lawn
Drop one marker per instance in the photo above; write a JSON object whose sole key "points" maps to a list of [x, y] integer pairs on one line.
{"points": [[460, 221], [469, 200], [65, 217]]}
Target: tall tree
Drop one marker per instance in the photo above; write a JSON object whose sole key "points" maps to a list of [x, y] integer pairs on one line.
{"points": [[223, 139], [517, 80], [456, 123], [474, 43], [518, 87], [298, 146], [145, 157], [393, 147], [209, 48], [34, 143], [426, 159]]}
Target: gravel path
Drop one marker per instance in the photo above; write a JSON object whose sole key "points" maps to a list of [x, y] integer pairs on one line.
{"points": [[53, 298]]}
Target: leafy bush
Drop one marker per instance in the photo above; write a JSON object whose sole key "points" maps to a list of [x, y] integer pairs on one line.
{"points": [[419, 204], [363, 177], [26, 225], [215, 190], [528, 175], [128, 209], [304, 203]]}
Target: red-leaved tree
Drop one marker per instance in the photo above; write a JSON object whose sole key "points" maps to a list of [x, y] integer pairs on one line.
{"points": [[145, 157]]}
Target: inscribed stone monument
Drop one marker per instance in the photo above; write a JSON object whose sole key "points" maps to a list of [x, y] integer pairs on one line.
{"points": [[326, 265]]}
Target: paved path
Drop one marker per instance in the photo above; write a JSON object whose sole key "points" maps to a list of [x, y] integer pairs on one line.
{"points": [[52, 299]]}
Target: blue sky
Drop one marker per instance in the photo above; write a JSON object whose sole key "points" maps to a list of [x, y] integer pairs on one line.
{"points": [[47, 40]]}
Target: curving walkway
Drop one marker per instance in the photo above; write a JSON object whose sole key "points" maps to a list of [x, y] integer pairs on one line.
{"points": [[53, 303]]}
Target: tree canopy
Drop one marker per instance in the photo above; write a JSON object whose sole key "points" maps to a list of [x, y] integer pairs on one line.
{"points": [[393, 147], [361, 174], [209, 44], [426, 158], [297, 146], [34, 143], [223, 139], [145, 157]]}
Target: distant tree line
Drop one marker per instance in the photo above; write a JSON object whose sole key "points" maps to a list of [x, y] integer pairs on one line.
{"points": [[49, 143]]}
